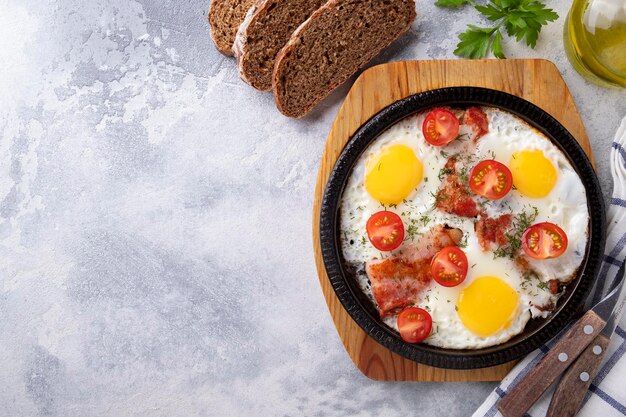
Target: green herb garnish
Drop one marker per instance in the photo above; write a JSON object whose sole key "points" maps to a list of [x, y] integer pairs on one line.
{"points": [[521, 222], [521, 19], [411, 231]]}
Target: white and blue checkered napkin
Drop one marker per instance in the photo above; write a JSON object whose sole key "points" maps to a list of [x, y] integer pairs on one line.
{"points": [[607, 393]]}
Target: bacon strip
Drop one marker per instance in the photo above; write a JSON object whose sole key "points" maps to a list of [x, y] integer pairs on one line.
{"points": [[453, 197], [476, 118], [398, 282], [493, 230]]}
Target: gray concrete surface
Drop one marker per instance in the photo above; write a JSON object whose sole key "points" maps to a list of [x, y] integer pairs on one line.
{"points": [[155, 219]]}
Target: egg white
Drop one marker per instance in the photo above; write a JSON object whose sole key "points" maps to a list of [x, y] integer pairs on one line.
{"points": [[565, 205]]}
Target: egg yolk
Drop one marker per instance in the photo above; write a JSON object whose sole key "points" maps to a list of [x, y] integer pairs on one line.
{"points": [[533, 174], [393, 174], [487, 306]]}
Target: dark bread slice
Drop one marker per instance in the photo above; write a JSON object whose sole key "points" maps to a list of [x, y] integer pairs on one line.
{"points": [[265, 30], [337, 40], [225, 16]]}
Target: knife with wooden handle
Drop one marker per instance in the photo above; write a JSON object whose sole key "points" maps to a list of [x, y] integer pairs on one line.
{"points": [[570, 392], [538, 379], [572, 388], [601, 318]]}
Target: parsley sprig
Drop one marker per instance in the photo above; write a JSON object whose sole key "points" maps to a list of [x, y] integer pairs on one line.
{"points": [[521, 19]]}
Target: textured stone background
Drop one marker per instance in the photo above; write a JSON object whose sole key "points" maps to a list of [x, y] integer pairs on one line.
{"points": [[155, 221]]}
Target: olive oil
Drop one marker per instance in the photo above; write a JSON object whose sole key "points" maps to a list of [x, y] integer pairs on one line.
{"points": [[595, 40]]}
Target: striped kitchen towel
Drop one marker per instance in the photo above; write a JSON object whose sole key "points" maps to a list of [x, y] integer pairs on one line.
{"points": [[607, 393]]}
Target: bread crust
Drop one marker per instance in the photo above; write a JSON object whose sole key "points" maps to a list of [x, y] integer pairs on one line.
{"points": [[259, 13], [285, 54], [222, 33], [241, 41]]}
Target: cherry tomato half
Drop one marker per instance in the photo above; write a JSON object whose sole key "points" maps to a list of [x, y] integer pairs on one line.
{"points": [[491, 179], [440, 127], [544, 240], [449, 266], [414, 324], [385, 230]]}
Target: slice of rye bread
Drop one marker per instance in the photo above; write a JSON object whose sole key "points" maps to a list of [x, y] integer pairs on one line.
{"points": [[225, 16], [337, 40], [265, 30]]}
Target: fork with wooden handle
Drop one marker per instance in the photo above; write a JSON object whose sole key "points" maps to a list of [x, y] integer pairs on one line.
{"points": [[580, 349]]}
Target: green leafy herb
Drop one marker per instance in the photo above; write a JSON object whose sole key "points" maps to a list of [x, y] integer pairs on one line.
{"points": [[462, 137], [484, 202], [452, 3], [527, 277], [411, 231], [521, 222], [474, 42], [521, 19], [440, 196], [443, 172]]}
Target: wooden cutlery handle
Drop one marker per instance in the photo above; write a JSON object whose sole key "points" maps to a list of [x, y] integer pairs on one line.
{"points": [[538, 379], [570, 392]]}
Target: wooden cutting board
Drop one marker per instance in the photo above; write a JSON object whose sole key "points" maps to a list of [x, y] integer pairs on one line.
{"points": [[537, 81]]}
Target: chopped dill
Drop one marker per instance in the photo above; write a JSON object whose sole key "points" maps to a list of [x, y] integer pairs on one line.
{"points": [[411, 231], [443, 172], [462, 137], [521, 222], [438, 197]]}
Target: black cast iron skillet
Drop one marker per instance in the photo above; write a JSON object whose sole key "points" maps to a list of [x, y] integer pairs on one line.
{"points": [[537, 331]]}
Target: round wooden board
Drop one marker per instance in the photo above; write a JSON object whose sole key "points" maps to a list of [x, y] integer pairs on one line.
{"points": [[537, 81]]}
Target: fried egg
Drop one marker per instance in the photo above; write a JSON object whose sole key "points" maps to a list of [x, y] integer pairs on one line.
{"points": [[401, 172]]}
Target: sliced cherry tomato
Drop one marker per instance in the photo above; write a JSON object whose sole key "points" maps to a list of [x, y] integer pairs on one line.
{"points": [[385, 230], [475, 118], [491, 179], [449, 266], [440, 127], [414, 324], [544, 240]]}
